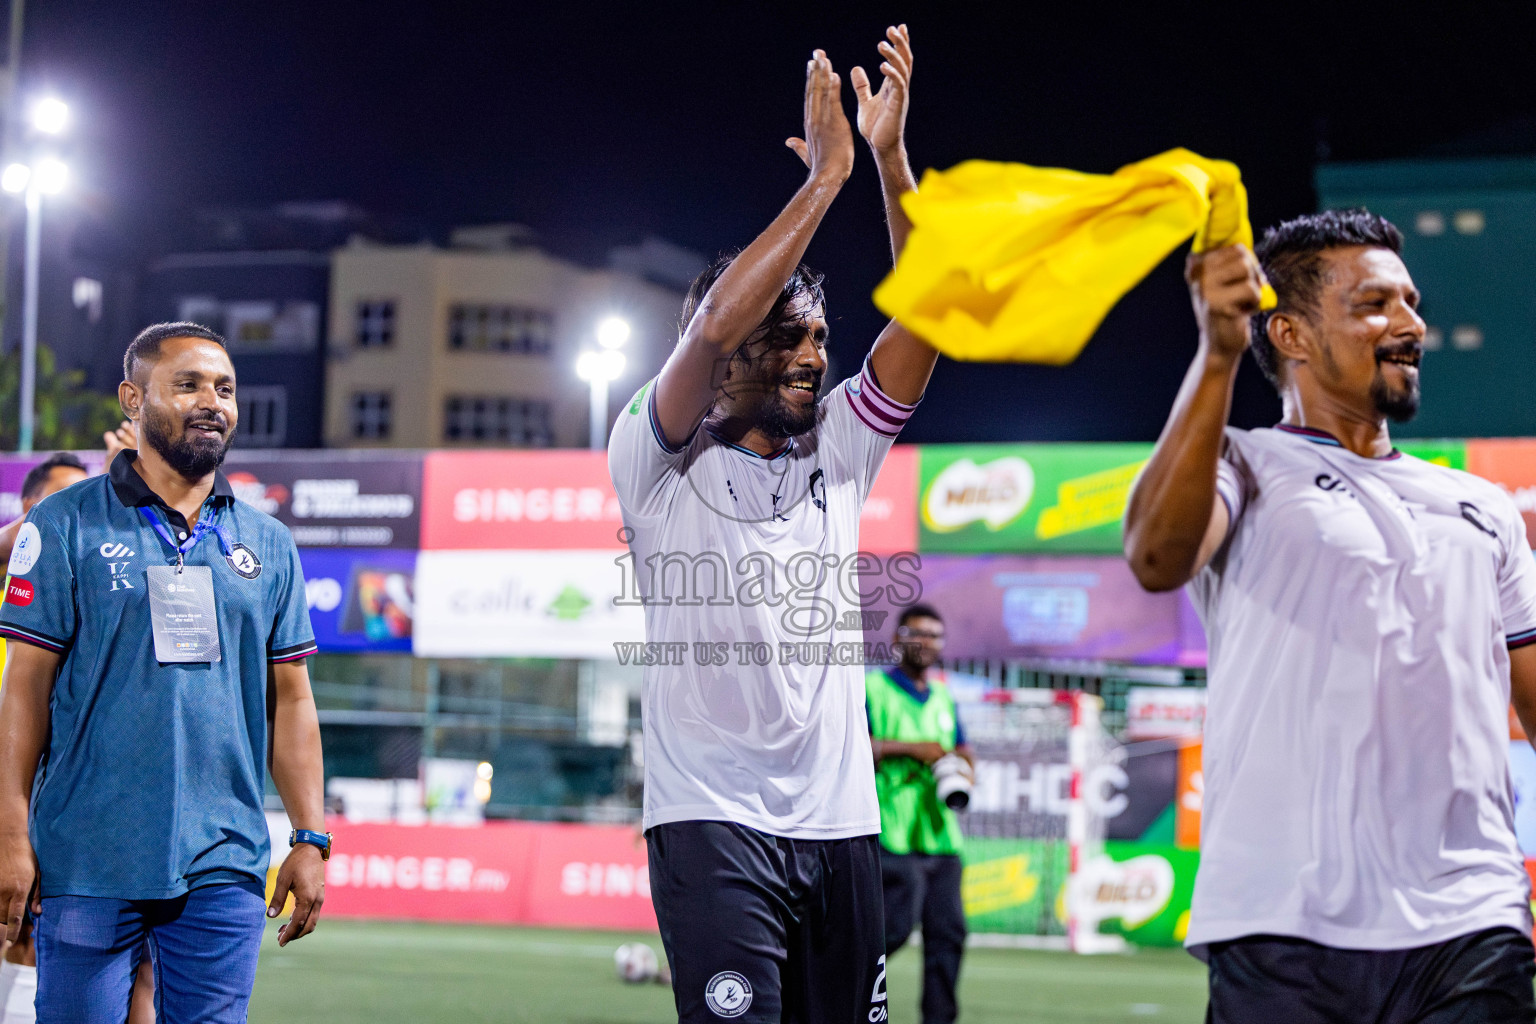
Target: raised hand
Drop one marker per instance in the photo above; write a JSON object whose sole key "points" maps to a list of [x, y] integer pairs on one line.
{"points": [[827, 148], [883, 112], [1225, 287], [125, 436]]}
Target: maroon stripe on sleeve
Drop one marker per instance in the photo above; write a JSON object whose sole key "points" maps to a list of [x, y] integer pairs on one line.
{"points": [[854, 405]]}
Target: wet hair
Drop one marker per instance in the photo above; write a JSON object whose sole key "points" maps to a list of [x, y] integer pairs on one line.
{"points": [[1292, 257], [918, 611], [38, 475], [145, 348], [803, 283]]}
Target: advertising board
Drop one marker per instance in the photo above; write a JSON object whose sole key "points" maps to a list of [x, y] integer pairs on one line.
{"points": [[360, 600], [357, 499], [533, 604], [1020, 606], [1510, 463], [564, 500], [1065, 498], [571, 876]]}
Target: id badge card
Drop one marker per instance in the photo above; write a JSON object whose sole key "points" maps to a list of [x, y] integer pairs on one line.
{"points": [[182, 613]]}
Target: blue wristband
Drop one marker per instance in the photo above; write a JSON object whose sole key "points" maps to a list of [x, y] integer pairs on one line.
{"points": [[320, 839]]}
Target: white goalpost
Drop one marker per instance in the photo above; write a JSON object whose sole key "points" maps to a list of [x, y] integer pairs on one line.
{"points": [[1034, 824]]}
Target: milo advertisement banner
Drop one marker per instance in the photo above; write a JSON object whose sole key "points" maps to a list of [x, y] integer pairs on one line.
{"points": [[1028, 497], [1137, 890], [1056, 498]]}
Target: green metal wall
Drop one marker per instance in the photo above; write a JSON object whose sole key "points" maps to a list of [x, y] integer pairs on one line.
{"points": [[1469, 239]]}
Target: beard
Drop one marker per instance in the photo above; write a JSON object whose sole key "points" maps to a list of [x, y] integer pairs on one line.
{"points": [[775, 416], [1397, 404], [779, 418], [193, 455]]}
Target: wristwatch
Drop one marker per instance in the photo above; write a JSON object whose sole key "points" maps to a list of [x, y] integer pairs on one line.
{"points": [[320, 839]]}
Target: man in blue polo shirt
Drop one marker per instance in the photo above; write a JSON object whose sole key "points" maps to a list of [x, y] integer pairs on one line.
{"points": [[149, 613]]}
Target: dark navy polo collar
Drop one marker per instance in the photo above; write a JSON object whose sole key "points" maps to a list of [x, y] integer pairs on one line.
{"points": [[909, 685], [133, 490]]}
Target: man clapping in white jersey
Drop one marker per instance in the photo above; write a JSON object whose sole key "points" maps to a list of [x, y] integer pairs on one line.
{"points": [[741, 488], [1369, 617]]}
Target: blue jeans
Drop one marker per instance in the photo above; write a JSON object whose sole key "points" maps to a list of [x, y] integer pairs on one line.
{"points": [[203, 944]]}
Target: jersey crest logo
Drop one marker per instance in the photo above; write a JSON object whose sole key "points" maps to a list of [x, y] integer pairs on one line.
{"points": [[728, 994], [1474, 515], [244, 561], [818, 480]]}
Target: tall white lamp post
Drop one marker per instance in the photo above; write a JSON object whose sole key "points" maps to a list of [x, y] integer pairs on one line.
{"points": [[45, 175], [598, 367]]}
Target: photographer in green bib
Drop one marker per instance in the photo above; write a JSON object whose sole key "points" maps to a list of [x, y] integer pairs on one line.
{"points": [[923, 773]]}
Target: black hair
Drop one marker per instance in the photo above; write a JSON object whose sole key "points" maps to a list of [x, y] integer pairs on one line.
{"points": [[37, 476], [146, 347], [918, 611], [803, 283], [1291, 255]]}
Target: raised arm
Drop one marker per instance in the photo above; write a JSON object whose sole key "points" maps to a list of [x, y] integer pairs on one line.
{"points": [[24, 716], [1175, 521], [737, 303], [902, 361]]}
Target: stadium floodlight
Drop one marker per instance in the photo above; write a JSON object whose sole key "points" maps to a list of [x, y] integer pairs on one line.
{"points": [[15, 177], [597, 367], [50, 115], [483, 772], [51, 176], [613, 332], [46, 175]]}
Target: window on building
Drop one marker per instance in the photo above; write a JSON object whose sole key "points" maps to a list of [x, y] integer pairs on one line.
{"points": [[372, 415], [483, 328], [375, 323], [263, 415], [485, 418]]}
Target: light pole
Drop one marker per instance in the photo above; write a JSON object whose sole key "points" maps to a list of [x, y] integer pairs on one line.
{"points": [[45, 175], [598, 367]]}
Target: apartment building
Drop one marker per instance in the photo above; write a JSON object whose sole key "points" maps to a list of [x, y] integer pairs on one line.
{"points": [[475, 345]]}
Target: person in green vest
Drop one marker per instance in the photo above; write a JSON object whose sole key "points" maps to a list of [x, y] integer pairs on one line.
{"points": [[912, 725]]}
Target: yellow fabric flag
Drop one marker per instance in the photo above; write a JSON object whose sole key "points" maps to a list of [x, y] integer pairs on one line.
{"points": [[1010, 263]]}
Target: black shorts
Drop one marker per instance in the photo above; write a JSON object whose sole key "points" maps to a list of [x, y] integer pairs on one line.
{"points": [[762, 928], [1483, 977]]}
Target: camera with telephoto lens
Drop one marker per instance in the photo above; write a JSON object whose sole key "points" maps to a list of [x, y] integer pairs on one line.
{"points": [[952, 779]]}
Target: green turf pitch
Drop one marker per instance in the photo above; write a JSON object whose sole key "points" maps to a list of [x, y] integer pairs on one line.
{"points": [[351, 972]]}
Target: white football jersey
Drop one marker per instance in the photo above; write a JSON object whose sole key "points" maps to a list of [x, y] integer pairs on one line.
{"points": [[749, 569], [1357, 788]]}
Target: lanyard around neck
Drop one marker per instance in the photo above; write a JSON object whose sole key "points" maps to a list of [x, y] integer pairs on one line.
{"points": [[207, 523]]}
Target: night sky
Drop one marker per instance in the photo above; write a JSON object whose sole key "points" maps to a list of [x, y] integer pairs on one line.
{"points": [[600, 124]]}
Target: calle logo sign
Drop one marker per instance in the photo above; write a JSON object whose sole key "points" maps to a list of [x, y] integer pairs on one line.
{"points": [[994, 493]]}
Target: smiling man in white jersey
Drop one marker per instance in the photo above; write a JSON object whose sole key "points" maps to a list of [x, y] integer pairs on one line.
{"points": [[741, 494], [1370, 616]]}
